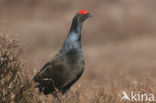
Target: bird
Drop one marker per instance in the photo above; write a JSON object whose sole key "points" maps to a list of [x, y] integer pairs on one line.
{"points": [[67, 66]]}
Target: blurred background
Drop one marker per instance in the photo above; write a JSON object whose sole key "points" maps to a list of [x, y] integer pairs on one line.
{"points": [[119, 41]]}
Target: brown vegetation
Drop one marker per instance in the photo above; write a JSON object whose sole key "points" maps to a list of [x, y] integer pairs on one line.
{"points": [[11, 76]]}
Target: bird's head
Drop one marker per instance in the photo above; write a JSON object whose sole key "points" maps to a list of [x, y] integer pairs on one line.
{"points": [[82, 15]]}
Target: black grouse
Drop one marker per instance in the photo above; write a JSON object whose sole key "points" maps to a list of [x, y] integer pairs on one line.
{"points": [[67, 65]]}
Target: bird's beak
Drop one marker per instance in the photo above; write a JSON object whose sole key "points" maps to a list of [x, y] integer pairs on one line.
{"points": [[89, 15]]}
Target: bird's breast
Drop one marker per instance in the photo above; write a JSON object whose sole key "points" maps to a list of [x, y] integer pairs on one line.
{"points": [[75, 57]]}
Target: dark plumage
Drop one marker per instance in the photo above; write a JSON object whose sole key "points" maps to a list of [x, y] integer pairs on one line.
{"points": [[67, 65]]}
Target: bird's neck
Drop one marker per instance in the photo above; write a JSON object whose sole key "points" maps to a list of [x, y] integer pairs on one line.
{"points": [[73, 40], [76, 26], [75, 32]]}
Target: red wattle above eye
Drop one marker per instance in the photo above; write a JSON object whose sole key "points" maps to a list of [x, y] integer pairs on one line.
{"points": [[82, 12]]}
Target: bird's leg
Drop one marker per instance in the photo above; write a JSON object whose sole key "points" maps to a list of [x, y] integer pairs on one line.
{"points": [[64, 94], [56, 97], [56, 100]]}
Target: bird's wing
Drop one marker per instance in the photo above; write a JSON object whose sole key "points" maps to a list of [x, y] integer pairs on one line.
{"points": [[41, 74], [59, 70]]}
